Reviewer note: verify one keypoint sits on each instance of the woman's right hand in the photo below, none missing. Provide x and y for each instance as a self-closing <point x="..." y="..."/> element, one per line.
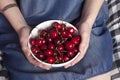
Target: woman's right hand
<point x="23" y="34"/>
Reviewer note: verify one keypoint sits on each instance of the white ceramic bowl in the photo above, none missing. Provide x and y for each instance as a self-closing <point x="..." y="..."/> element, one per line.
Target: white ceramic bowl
<point x="44" y="25"/>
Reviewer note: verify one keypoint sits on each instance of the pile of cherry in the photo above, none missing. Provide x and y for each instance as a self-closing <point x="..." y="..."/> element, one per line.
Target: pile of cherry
<point x="55" y="45"/>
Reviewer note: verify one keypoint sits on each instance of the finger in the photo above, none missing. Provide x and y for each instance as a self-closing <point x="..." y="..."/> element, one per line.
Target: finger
<point x="84" y="42"/>
<point x="80" y="56"/>
<point x="36" y="63"/>
<point x="68" y="65"/>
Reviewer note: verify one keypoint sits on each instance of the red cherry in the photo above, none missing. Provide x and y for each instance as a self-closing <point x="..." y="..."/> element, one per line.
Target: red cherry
<point x="55" y="53"/>
<point x="41" y="56"/>
<point x="43" y="41"/>
<point x="43" y="33"/>
<point x="64" y="33"/>
<point x="51" y="46"/>
<point x="39" y="42"/>
<point x="71" y="30"/>
<point x="35" y="50"/>
<point x="53" y="34"/>
<point x="70" y="53"/>
<point x="43" y="47"/>
<point x="32" y="41"/>
<point x="48" y="52"/>
<point x="51" y="60"/>
<point x="76" y="49"/>
<point x="57" y="25"/>
<point x="48" y="39"/>
<point x="60" y="48"/>
<point x="60" y="58"/>
<point x="57" y="41"/>
<point x="75" y="40"/>
<point x="69" y="45"/>
<point x="66" y="58"/>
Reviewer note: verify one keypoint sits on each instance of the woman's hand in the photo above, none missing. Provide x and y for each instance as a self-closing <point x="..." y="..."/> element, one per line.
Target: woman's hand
<point x="23" y="36"/>
<point x="84" y="32"/>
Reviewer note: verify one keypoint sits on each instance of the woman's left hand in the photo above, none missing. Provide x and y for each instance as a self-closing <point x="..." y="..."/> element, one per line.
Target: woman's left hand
<point x="84" y="30"/>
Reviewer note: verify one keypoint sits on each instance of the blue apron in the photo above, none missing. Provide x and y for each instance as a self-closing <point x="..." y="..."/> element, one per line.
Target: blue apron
<point x="98" y="58"/>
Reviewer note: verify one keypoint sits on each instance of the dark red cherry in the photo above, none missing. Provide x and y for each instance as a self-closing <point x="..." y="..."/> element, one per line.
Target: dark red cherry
<point x="60" y="48"/>
<point x="70" y="53"/>
<point x="71" y="30"/>
<point x="69" y="45"/>
<point x="53" y="34"/>
<point x="35" y="50"/>
<point x="66" y="58"/>
<point x="57" y="25"/>
<point x="75" y="40"/>
<point x="51" y="60"/>
<point x="48" y="52"/>
<point x="51" y="46"/>
<point x="32" y="41"/>
<point x="43" y="33"/>
<point x="41" y="56"/>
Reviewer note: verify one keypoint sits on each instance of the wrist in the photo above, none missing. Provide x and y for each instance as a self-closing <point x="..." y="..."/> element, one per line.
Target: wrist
<point x="21" y="29"/>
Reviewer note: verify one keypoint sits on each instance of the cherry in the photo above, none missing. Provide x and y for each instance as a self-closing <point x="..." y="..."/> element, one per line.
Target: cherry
<point x="51" y="60"/>
<point x="39" y="42"/>
<point x="71" y="30"/>
<point x="53" y="34"/>
<point x="43" y="47"/>
<point x="75" y="40"/>
<point x="43" y="33"/>
<point x="69" y="45"/>
<point x="32" y="41"/>
<point x="76" y="49"/>
<point x="57" y="25"/>
<point x="48" y="39"/>
<point x="70" y="53"/>
<point x="66" y="58"/>
<point x="64" y="33"/>
<point x="48" y="52"/>
<point x="51" y="46"/>
<point x="60" y="48"/>
<point x="57" y="41"/>
<point x="41" y="56"/>
<point x="55" y="53"/>
<point x="35" y="50"/>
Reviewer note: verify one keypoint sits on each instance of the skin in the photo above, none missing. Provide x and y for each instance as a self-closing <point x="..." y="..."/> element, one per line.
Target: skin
<point x="90" y="11"/>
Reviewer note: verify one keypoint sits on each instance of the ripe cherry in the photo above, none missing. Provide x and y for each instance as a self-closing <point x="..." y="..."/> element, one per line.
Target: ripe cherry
<point x="51" y="46"/>
<point x="53" y="34"/>
<point x="41" y="56"/>
<point x="32" y="41"/>
<point x="35" y="50"/>
<point x="70" y="53"/>
<point x="69" y="45"/>
<point x="48" y="52"/>
<point x="71" y="30"/>
<point x="39" y="42"/>
<point x="57" y="41"/>
<point x="43" y="47"/>
<point x="75" y="40"/>
<point x="60" y="48"/>
<point x="43" y="33"/>
<point x="66" y="58"/>
<point x="48" y="39"/>
<point x="57" y="25"/>
<point x="51" y="60"/>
